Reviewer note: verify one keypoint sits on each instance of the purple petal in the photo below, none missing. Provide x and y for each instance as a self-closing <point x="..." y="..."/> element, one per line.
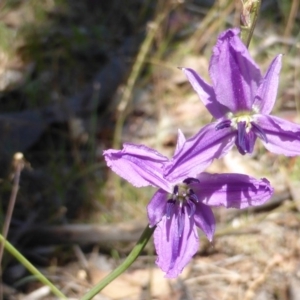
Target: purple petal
<point x="206" y="93"/>
<point x="267" y="91"/>
<point x="180" y="141"/>
<point x="156" y="208"/>
<point x="258" y="131"/>
<point x="198" y="152"/>
<point x="232" y="190"/>
<point x="234" y="73"/>
<point x="205" y="220"/>
<point x="283" y="137"/>
<point x="138" y="164"/>
<point x="174" y="252"/>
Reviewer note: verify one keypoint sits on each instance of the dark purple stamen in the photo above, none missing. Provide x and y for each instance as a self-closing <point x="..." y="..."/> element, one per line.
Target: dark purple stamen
<point x="180" y="220"/>
<point x="170" y="208"/>
<point x="223" y="124"/>
<point x="175" y="190"/>
<point x="241" y="137"/>
<point x="190" y="180"/>
<point x="245" y="140"/>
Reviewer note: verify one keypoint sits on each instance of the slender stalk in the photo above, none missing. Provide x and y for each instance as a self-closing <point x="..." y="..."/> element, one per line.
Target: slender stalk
<point x="143" y="240"/>
<point x="291" y="18"/>
<point x="249" y="15"/>
<point x="18" y="165"/>
<point x="33" y="270"/>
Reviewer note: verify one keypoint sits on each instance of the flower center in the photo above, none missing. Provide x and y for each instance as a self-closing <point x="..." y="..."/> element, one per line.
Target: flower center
<point x="247" y="130"/>
<point x="247" y="120"/>
<point x="182" y="201"/>
<point x="234" y="120"/>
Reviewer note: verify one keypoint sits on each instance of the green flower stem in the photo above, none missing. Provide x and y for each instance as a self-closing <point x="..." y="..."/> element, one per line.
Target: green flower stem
<point x="249" y="15"/>
<point x="142" y="242"/>
<point x="33" y="270"/>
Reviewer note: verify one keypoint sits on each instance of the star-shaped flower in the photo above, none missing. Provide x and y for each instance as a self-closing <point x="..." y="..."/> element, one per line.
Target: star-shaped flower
<point x="183" y="199"/>
<point x="241" y="99"/>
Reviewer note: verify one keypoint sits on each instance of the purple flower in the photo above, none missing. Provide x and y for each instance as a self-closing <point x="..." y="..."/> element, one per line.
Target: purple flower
<point x="183" y="199"/>
<point x="241" y="99"/>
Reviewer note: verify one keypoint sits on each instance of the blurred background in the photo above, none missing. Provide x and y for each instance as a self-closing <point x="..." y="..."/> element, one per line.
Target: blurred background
<point x="79" y="77"/>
